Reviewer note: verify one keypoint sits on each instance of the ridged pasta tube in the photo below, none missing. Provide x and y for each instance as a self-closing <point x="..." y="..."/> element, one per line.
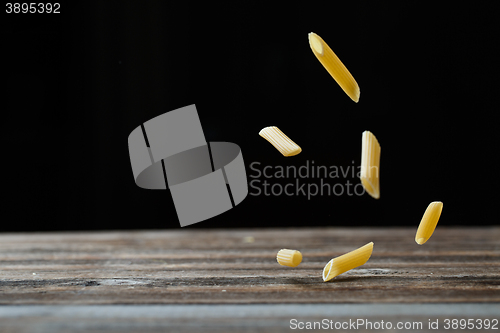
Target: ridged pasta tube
<point x="334" y="66"/>
<point x="370" y="164"/>
<point x="347" y="261"/>
<point x="280" y="141"/>
<point x="429" y="222"/>
<point x="291" y="258"/>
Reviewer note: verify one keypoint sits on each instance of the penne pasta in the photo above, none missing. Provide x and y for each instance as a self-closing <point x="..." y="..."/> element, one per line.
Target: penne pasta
<point x="290" y="258"/>
<point x="429" y="222"/>
<point x="334" y="66"/>
<point x="348" y="261"/>
<point x="280" y="141"/>
<point x="370" y="164"/>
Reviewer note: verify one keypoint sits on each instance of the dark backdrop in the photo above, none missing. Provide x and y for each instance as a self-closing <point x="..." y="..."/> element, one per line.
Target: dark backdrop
<point x="77" y="83"/>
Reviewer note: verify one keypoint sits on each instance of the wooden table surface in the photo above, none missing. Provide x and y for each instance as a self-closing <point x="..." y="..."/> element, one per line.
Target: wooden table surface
<point x="228" y="268"/>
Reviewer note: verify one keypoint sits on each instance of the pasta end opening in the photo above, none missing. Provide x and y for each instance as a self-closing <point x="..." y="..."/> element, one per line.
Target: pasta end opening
<point x="316" y="43"/>
<point x="327" y="270"/>
<point x="420" y="241"/>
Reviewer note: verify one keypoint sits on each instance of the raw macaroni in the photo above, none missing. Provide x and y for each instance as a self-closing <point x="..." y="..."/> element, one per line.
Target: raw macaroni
<point x="429" y="222"/>
<point x="334" y="66"/>
<point x="370" y="164"/>
<point x="280" y="141"/>
<point x="291" y="258"/>
<point x="347" y="261"/>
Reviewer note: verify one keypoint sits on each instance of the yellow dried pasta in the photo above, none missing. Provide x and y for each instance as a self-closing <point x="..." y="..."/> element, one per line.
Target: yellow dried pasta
<point x="334" y="66"/>
<point x="280" y="141"/>
<point x="347" y="261"/>
<point x="370" y="164"/>
<point x="429" y="222"/>
<point x="291" y="258"/>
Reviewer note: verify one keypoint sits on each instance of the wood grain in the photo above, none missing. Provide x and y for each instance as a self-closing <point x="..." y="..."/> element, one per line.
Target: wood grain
<point x="239" y="267"/>
<point x="221" y="318"/>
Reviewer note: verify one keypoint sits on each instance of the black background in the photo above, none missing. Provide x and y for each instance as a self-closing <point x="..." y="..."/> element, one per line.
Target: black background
<point x="77" y="83"/>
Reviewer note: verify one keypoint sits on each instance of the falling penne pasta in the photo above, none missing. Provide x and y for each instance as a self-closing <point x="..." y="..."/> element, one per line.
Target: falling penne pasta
<point x="280" y="141"/>
<point x="429" y="222"/>
<point x="347" y="261"/>
<point x="334" y="66"/>
<point x="291" y="258"/>
<point x="370" y="164"/>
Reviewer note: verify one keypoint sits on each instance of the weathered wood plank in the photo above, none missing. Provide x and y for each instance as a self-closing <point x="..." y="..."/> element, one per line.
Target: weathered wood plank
<point x="239" y="266"/>
<point x="243" y="318"/>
